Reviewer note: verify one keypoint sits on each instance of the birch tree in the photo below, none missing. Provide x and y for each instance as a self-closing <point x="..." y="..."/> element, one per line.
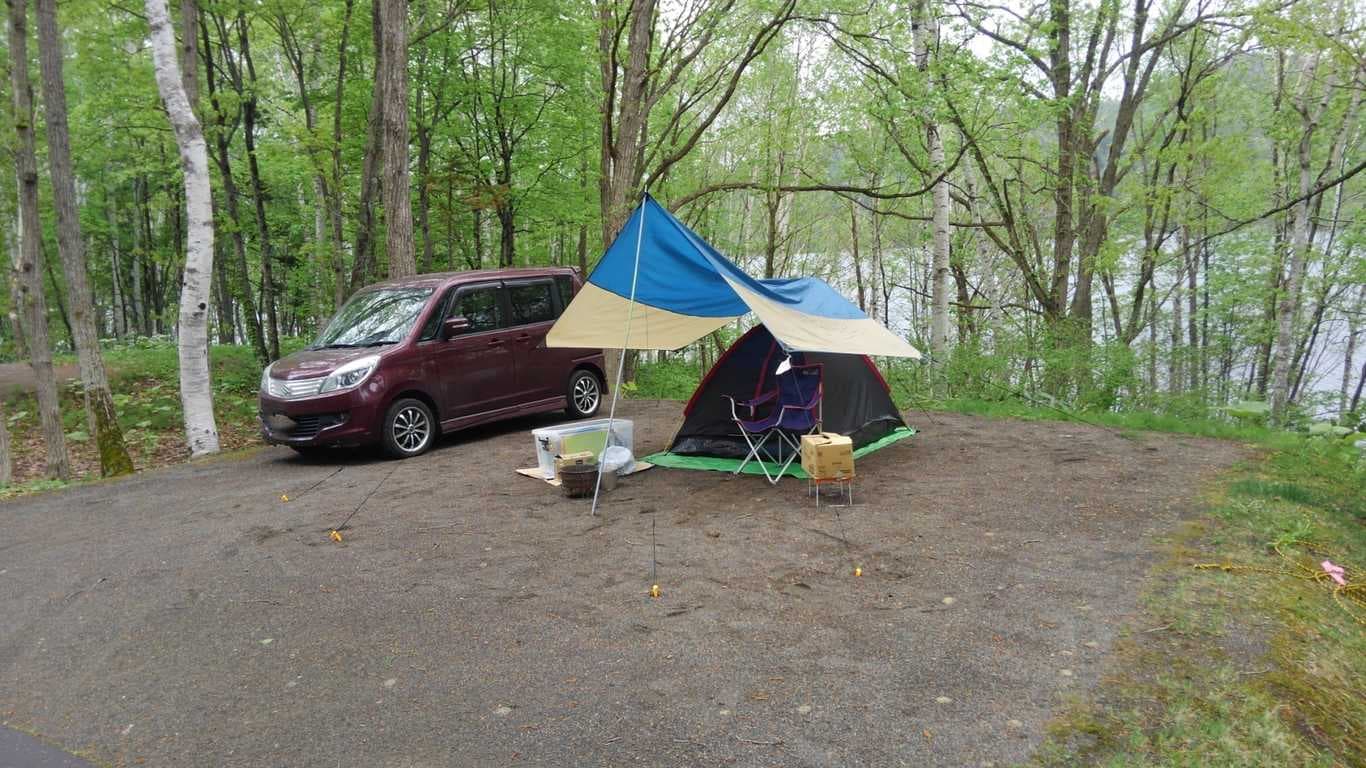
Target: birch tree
<point x="99" y="403"/>
<point x="1312" y="112"/>
<point x="924" y="32"/>
<point x="1354" y="313"/>
<point x="196" y="390"/>
<point x="29" y="266"/>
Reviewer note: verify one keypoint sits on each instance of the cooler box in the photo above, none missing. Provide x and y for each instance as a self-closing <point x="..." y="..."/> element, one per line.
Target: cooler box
<point x="826" y="455"/>
<point x="577" y="436"/>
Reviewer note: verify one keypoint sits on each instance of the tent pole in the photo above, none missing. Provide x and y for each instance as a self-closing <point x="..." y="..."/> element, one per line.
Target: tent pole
<point x="621" y="362"/>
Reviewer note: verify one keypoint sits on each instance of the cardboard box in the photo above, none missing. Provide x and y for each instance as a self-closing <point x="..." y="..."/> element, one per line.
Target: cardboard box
<point x="578" y="457"/>
<point x="827" y="455"/>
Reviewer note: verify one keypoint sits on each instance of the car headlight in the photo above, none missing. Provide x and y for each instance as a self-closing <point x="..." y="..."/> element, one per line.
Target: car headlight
<point x="350" y="375"/>
<point x="265" y="379"/>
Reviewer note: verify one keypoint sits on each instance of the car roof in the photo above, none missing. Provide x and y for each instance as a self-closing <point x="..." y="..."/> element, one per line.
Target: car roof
<point x="443" y="279"/>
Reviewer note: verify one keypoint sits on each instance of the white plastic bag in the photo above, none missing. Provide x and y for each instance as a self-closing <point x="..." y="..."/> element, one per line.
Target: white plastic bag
<point x="616" y="459"/>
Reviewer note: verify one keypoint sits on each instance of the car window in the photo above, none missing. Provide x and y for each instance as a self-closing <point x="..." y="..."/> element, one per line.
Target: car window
<point x="432" y="328"/>
<point x="481" y="307"/>
<point x="566" y="288"/>
<point x="532" y="302"/>
<point x="375" y="317"/>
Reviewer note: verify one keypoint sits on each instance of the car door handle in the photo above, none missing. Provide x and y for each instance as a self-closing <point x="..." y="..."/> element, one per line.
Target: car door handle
<point x="524" y="337"/>
<point x="496" y="343"/>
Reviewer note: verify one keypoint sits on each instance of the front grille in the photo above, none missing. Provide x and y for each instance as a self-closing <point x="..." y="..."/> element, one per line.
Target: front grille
<point x="290" y="389"/>
<point x="303" y="427"/>
<point x="307" y="426"/>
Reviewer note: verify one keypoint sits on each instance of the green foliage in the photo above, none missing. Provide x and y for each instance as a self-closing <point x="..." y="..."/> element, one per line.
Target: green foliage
<point x="669" y="380"/>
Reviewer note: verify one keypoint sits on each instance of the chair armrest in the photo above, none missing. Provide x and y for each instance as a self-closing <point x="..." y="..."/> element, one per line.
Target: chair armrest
<point x="768" y="396"/>
<point x="734" y="415"/>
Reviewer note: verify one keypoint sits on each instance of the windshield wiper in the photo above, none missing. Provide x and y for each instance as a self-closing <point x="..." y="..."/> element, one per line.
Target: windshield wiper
<point x="336" y="346"/>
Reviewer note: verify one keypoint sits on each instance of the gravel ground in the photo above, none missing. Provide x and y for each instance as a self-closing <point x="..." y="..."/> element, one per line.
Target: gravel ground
<point x="474" y="617"/>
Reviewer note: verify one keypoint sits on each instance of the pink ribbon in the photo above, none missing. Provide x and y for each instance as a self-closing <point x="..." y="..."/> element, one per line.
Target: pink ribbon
<point x="1335" y="572"/>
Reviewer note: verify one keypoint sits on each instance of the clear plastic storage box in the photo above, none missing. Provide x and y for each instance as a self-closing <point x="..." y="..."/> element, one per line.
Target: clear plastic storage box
<point x="590" y="435"/>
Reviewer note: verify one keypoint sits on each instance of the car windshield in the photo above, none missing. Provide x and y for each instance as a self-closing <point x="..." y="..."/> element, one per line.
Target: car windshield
<point x="371" y="318"/>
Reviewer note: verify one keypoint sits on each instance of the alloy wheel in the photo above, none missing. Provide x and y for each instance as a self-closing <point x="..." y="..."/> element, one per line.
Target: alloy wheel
<point x="586" y="394"/>
<point x="411" y="429"/>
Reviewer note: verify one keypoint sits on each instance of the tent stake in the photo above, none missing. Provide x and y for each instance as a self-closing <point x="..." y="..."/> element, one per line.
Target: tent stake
<point x="621" y="361"/>
<point x="654" y="561"/>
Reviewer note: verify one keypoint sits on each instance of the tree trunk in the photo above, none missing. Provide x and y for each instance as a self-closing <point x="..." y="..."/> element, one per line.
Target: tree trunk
<point x="196" y="389"/>
<point x="623" y="128"/>
<point x="424" y="196"/>
<point x="1290" y="298"/>
<point x="239" y="275"/>
<point x="189" y="51"/>
<point x="858" y="268"/>
<point x="398" y="205"/>
<point x="339" y="287"/>
<point x="924" y="32"/>
<point x="1175" y="372"/>
<point x="1356" y="396"/>
<point x="29" y="267"/>
<point x="507" y="234"/>
<point x="582" y="244"/>
<point x="1192" y="320"/>
<point x="370" y="163"/>
<point x="57" y="296"/>
<point x="227" y="313"/>
<point x="138" y="257"/>
<point x="118" y="300"/>
<point x="1349" y="352"/>
<point x="258" y="194"/>
<point x="99" y="403"/>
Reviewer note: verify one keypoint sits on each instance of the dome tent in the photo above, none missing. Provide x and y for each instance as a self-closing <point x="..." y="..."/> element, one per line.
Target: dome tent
<point x="856" y="400"/>
<point x="661" y="286"/>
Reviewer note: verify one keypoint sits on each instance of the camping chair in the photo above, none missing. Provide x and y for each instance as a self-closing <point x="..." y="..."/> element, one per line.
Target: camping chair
<point x="794" y="409"/>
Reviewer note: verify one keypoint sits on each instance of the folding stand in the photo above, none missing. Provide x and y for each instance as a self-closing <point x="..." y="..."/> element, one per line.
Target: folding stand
<point x="844" y="482"/>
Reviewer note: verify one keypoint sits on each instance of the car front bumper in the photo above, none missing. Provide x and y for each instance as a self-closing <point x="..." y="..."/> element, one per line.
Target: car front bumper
<point x="343" y="418"/>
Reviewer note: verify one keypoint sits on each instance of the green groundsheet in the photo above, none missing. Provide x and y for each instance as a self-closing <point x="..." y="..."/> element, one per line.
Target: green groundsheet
<point x="717" y="464"/>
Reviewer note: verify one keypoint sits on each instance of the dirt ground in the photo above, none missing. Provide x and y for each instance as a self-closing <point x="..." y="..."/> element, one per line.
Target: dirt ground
<point x="18" y="377"/>
<point x="474" y="617"/>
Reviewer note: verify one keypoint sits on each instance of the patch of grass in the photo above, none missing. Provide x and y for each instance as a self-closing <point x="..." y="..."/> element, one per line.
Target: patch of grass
<point x="31" y="486"/>
<point x="1259" y="664"/>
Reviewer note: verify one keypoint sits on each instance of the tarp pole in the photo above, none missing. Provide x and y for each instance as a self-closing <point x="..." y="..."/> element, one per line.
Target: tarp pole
<point x="621" y="363"/>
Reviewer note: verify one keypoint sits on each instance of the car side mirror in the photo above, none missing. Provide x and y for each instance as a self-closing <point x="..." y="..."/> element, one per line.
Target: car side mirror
<point x="454" y="326"/>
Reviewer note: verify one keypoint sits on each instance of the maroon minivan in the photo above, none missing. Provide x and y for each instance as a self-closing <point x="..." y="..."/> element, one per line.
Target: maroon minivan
<point x="405" y="360"/>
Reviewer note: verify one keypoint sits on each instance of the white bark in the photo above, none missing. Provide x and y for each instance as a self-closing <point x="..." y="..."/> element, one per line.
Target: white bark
<point x="196" y="392"/>
<point x="924" y="32"/>
<point x="1349" y="354"/>
<point x="1288" y="303"/>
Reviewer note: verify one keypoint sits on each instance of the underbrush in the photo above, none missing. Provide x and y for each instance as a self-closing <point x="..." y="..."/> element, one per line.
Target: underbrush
<point x="667" y="380"/>
<point x="675" y="379"/>
<point x="1248" y="654"/>
<point x="144" y="379"/>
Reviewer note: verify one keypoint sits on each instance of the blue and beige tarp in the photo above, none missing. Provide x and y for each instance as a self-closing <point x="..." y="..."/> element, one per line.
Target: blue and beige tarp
<point x="661" y="286"/>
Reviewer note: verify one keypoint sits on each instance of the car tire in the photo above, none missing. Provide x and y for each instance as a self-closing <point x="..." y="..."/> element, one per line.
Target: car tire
<point x="409" y="429"/>
<point x="584" y="394"/>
